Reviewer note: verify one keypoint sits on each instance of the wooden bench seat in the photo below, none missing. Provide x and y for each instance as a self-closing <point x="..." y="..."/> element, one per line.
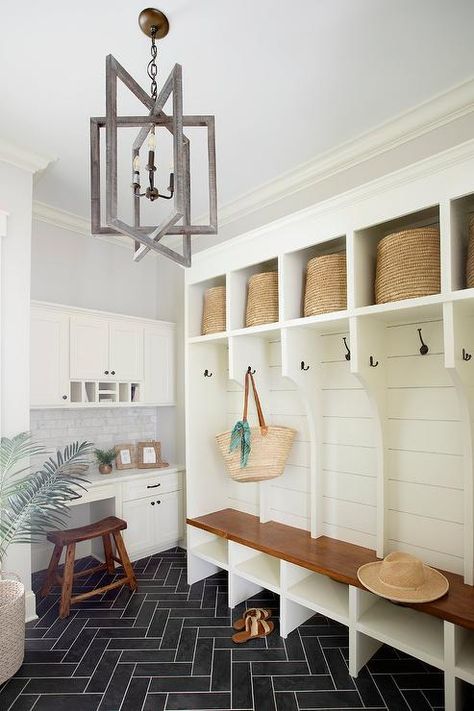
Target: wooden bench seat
<point x="328" y="556"/>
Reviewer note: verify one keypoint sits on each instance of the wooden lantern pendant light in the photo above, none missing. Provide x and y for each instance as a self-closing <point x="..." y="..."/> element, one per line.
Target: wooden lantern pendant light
<point x="148" y="237"/>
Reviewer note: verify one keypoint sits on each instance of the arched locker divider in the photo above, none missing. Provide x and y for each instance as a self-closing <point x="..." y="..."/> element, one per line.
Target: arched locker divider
<point x="458" y="320"/>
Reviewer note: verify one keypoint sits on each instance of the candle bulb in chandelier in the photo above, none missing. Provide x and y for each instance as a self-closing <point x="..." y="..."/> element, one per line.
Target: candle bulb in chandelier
<point x="151" y="192"/>
<point x="136" y="173"/>
<point x="151" y="149"/>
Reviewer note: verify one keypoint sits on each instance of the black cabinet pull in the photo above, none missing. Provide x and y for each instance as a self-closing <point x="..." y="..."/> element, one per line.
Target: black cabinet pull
<point x="64" y="397"/>
<point x="153" y="486"/>
<point x="152" y="503"/>
<point x="106" y="372"/>
<point x="112" y="372"/>
<point x="158" y="502"/>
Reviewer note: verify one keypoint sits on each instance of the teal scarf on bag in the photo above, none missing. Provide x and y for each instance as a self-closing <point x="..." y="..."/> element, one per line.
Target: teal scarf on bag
<point x="241" y="435"/>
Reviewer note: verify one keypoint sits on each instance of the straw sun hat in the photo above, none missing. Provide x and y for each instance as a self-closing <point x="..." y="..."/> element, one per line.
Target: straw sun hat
<point x="403" y="578"/>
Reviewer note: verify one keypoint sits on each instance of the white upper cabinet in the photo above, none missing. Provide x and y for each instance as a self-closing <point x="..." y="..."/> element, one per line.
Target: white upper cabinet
<point x="125" y="350"/>
<point x="89" y="357"/>
<point x="103" y="349"/>
<point x="159" y="364"/>
<point x="81" y="358"/>
<point x="49" y="357"/>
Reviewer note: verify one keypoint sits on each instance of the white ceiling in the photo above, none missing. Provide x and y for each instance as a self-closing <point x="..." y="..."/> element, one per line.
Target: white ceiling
<point x="285" y="80"/>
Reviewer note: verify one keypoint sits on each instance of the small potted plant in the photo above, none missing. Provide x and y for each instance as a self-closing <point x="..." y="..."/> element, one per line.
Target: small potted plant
<point x="33" y="500"/>
<point x="104" y="458"/>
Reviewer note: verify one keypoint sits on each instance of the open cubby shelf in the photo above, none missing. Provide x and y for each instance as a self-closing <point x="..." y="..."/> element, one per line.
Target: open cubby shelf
<point x="414" y="633"/>
<point x="382" y="458"/>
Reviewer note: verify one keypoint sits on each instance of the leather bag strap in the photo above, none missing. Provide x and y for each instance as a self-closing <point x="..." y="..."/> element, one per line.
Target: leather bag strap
<point x="261" y="418"/>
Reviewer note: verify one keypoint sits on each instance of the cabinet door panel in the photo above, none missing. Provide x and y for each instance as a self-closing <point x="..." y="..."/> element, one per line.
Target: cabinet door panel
<point x="126" y="351"/>
<point x="170" y="515"/>
<point x="89" y="347"/>
<point x="159" y="365"/>
<point x="49" y="358"/>
<point x="140" y="534"/>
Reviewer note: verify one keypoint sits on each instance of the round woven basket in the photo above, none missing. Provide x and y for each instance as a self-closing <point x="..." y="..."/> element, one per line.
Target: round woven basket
<point x="408" y="265"/>
<point x="213" y="313"/>
<point x="326" y="284"/>
<point x="470" y="255"/>
<point x="12" y="626"/>
<point x="262" y="299"/>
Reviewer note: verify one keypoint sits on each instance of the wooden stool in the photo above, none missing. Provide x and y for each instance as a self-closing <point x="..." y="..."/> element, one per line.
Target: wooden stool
<point x="105" y="528"/>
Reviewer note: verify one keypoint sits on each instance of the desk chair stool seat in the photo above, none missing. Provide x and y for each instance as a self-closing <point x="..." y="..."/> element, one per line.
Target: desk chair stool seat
<point x="105" y="529"/>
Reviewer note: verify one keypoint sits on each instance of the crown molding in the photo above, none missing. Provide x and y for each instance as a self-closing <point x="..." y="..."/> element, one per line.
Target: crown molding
<point x="42" y="212"/>
<point x="21" y="158"/>
<point x="438" y="111"/>
<point x="420" y="169"/>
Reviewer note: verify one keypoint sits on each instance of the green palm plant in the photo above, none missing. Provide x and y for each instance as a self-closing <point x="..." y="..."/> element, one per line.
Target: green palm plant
<point x="33" y="501"/>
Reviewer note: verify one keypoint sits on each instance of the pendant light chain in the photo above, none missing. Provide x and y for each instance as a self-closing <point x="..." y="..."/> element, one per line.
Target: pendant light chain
<point x="152" y="69"/>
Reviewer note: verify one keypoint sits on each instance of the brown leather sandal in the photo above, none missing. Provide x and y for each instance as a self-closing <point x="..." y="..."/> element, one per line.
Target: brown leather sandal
<point x="259" y="612"/>
<point x="253" y="629"/>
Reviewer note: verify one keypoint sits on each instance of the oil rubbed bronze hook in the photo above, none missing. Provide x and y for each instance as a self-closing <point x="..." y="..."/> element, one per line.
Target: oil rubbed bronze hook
<point x="250" y="371"/>
<point x="207" y="374"/>
<point x="424" y="348"/>
<point x="371" y="362"/>
<point x="347" y="355"/>
<point x="466" y="355"/>
<point x="303" y="366"/>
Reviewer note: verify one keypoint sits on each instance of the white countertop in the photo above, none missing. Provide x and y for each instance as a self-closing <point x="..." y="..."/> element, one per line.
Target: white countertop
<point x="116" y="476"/>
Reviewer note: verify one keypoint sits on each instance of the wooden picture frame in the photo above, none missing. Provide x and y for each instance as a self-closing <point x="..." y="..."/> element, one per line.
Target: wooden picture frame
<point x="125" y="457"/>
<point x="149" y="455"/>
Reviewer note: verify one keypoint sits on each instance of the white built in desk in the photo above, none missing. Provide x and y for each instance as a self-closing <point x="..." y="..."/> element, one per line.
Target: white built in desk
<point x="149" y="500"/>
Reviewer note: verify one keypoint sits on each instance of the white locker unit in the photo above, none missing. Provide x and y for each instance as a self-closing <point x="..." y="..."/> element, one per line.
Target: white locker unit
<point x="383" y="452"/>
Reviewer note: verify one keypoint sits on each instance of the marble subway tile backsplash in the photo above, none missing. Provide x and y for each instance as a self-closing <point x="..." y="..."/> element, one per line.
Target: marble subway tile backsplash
<point x="105" y="427"/>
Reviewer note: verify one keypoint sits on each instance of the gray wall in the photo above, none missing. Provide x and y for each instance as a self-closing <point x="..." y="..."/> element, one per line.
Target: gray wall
<point x="71" y="269"/>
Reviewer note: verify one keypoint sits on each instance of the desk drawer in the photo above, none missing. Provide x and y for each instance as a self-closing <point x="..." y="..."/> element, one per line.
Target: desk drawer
<point x="161" y="483"/>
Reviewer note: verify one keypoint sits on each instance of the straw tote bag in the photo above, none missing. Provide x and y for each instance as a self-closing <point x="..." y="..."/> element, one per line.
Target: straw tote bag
<point x="255" y="453"/>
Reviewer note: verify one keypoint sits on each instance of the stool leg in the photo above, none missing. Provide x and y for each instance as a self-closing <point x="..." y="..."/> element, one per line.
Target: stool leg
<point x="68" y="579"/>
<point x="123" y="555"/>
<point x="109" y="561"/>
<point x="51" y="573"/>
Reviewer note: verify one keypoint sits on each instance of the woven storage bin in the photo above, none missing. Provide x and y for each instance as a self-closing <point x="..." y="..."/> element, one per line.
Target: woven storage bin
<point x="12" y="627"/>
<point x="262" y="299"/>
<point x="213" y="313"/>
<point x="326" y="284"/>
<point x="408" y="265"/>
<point x="269" y="445"/>
<point x="470" y="256"/>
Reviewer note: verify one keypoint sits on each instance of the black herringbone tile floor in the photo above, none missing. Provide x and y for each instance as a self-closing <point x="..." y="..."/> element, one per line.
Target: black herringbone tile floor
<point x="168" y="646"/>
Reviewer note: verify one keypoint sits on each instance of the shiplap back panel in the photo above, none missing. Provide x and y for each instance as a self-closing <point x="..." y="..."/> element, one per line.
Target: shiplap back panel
<point x="241" y="496"/>
<point x="289" y="494"/>
<point x="424" y="449"/>
<point x="348" y="461"/>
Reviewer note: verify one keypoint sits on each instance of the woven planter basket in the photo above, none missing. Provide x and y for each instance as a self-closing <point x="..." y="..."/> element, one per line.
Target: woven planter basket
<point x="12" y="627"/>
<point x="270" y="446"/>
<point x="470" y="256"/>
<point x="408" y="265"/>
<point x="326" y="284"/>
<point x="213" y="313"/>
<point x="262" y="299"/>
